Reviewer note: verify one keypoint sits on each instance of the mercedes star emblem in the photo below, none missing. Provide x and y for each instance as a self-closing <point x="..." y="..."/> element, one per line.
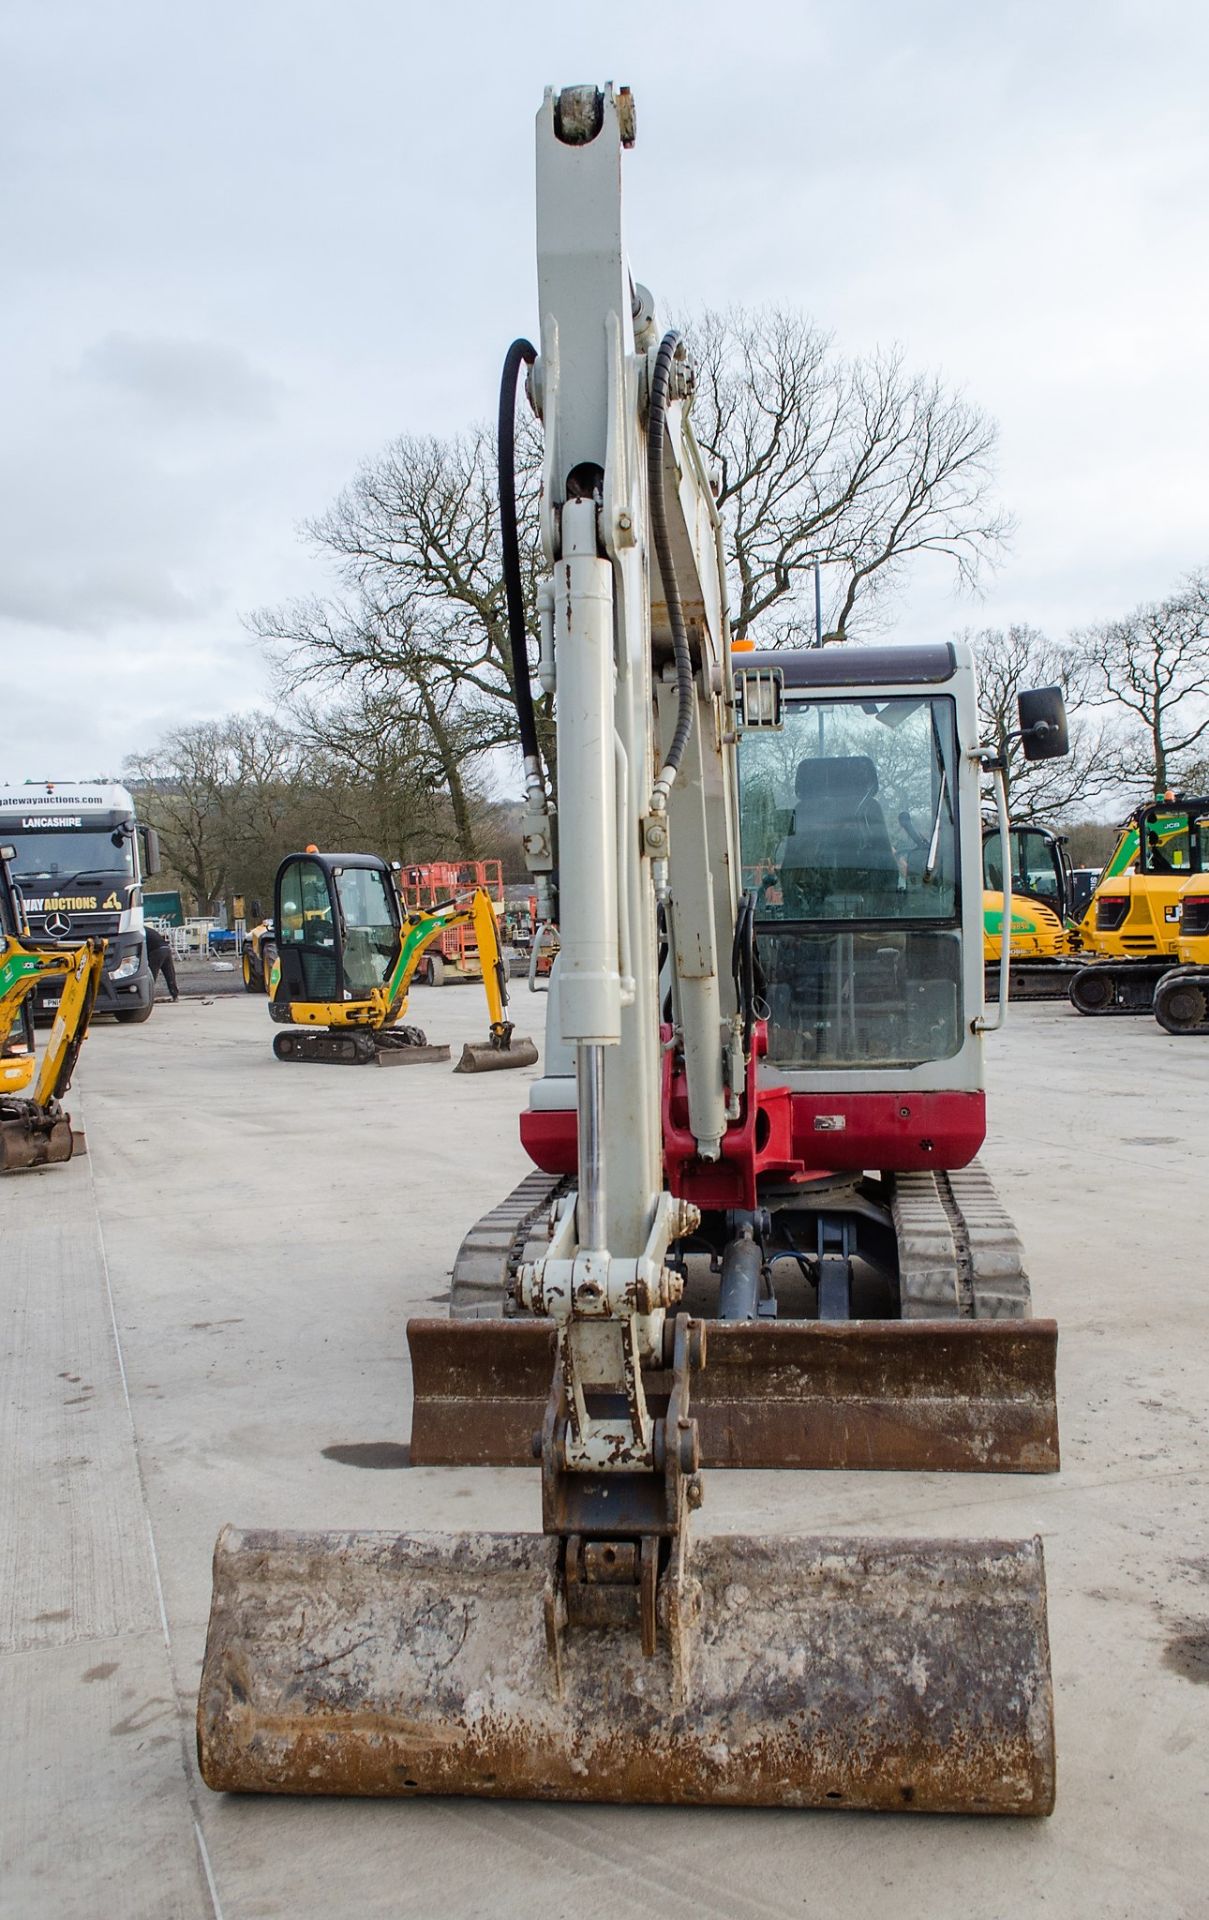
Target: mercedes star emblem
<point x="58" y="924"/>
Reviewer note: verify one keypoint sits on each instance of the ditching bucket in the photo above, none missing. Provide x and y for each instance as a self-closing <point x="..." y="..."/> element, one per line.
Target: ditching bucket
<point x="32" y="1136"/>
<point x="831" y="1672"/>
<point x="926" y="1395"/>
<point x="489" y="1058"/>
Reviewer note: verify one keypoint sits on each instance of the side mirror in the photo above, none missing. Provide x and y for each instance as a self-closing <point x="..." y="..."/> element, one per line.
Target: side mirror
<point x="1043" y="730"/>
<point x="151" y="850"/>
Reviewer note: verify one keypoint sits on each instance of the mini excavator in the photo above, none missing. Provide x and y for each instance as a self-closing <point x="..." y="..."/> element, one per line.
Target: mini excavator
<point x="755" y="1235"/>
<point x="1132" y="928"/>
<point x="1043" y="935"/>
<point x="34" y="1129"/>
<point x="347" y="952"/>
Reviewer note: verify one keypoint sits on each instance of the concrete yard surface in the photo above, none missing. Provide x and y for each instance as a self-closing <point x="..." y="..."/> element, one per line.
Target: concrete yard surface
<point x="203" y="1322"/>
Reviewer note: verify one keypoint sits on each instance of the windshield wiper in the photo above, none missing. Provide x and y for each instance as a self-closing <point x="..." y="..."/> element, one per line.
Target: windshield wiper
<point x="934" y="842"/>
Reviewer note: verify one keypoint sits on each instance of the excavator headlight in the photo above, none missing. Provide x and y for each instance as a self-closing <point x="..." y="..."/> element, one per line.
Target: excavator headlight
<point x="760" y="697"/>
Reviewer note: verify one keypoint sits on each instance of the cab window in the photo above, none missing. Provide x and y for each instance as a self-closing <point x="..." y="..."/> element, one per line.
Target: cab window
<point x="849" y="821"/>
<point x="371" y="935"/>
<point x="305" y="923"/>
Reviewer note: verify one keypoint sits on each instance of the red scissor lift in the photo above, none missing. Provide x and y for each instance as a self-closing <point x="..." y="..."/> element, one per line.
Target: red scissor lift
<point x="426" y="886"/>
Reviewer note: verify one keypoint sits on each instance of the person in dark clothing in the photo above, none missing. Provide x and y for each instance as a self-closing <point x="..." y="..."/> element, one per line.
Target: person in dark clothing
<point x="159" y="959"/>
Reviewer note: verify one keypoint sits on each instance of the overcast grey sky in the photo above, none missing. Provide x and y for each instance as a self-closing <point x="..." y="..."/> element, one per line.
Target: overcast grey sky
<point x="246" y="244"/>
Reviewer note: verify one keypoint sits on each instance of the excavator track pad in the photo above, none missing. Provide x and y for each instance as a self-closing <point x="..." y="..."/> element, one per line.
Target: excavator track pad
<point x="924" y="1395"/>
<point x="828" y="1672"/>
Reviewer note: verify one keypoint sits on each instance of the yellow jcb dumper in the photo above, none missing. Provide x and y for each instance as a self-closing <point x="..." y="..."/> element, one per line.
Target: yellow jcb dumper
<point x="757" y="1235"/>
<point x="34" y="1129"/>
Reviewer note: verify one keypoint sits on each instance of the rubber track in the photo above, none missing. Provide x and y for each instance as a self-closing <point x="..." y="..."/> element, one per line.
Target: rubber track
<point x="1132" y="983"/>
<point x="959" y="1255"/>
<point x="1032" y="980"/>
<point x="495" y="1247"/>
<point x="1195" y="976"/>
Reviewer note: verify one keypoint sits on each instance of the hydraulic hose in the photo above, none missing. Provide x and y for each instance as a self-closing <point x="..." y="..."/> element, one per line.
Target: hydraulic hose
<point x="656" y="419"/>
<point x="744" y="965"/>
<point x="520" y="353"/>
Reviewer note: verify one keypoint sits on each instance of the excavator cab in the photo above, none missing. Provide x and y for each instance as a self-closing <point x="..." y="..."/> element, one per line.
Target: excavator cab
<point x="1044" y="937"/>
<point x="338" y="926"/>
<point x="858" y="903"/>
<point x="1041" y="866"/>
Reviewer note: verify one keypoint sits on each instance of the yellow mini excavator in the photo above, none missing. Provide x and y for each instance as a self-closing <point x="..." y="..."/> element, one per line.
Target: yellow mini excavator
<point x="34" y="1129"/>
<point x="347" y="953"/>
<point x="757" y="1235"/>
<point x="1043" y="936"/>
<point x="1130" y="934"/>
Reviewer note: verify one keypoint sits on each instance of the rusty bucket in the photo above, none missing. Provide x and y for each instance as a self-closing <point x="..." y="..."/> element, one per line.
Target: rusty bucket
<point x="33" y="1136"/>
<point x="488" y="1057"/>
<point x="825" y="1672"/>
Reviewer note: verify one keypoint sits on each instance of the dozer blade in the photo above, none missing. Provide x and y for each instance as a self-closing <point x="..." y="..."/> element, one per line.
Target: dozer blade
<point x="32" y="1136"/>
<point x="925" y="1395"/>
<point x="830" y="1672"/>
<point x="487" y="1058"/>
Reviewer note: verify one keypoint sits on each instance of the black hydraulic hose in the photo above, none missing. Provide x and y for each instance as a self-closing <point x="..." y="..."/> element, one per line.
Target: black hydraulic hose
<point x="749" y="971"/>
<point x="520" y="353"/>
<point x="744" y="965"/>
<point x="656" y="417"/>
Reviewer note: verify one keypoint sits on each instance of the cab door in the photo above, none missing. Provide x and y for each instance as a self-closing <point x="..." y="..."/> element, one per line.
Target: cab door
<point x="369" y="917"/>
<point x="305" y="912"/>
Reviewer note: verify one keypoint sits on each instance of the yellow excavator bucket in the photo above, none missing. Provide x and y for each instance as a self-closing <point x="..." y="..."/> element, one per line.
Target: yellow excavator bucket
<point x="827" y="1672"/>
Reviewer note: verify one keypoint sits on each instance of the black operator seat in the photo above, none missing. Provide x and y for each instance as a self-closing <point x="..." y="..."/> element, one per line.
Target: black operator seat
<point x="839" y="844"/>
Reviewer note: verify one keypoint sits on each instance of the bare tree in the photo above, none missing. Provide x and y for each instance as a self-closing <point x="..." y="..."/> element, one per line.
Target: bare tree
<point x="857" y="464"/>
<point x="1010" y="661"/>
<point x="380" y="776"/>
<point x="1155" y="664"/>
<point x="224" y="796"/>
<point x="403" y="676"/>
